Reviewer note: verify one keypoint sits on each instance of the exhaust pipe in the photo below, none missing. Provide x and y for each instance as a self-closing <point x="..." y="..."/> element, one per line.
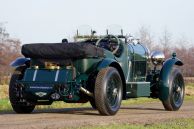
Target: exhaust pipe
<point x="55" y="96"/>
<point x="85" y="91"/>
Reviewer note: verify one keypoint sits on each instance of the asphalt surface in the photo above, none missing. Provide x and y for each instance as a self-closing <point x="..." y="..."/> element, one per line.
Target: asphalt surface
<point x="77" y="117"/>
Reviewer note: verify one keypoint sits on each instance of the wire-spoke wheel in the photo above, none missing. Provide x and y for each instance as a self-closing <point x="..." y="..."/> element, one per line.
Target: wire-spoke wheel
<point x="176" y="91"/>
<point x="108" y="91"/>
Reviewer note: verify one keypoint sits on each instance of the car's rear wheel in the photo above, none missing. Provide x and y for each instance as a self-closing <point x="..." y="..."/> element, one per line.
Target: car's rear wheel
<point x="176" y="91"/>
<point x="92" y="103"/>
<point x="108" y="91"/>
<point x="15" y="93"/>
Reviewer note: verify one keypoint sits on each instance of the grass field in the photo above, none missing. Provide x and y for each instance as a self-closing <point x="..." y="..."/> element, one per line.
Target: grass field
<point x="5" y="104"/>
<point x="170" y="124"/>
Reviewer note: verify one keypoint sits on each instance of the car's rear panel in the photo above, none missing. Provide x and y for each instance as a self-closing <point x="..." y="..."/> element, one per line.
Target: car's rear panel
<point x="53" y="82"/>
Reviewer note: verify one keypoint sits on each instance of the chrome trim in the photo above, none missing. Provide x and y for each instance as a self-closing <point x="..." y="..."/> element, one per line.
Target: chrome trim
<point x="157" y="57"/>
<point x="57" y="75"/>
<point x="34" y="76"/>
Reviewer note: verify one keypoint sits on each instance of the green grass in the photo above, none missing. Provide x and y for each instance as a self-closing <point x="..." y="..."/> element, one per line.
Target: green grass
<point x="170" y="124"/>
<point x="5" y="104"/>
<point x="76" y="105"/>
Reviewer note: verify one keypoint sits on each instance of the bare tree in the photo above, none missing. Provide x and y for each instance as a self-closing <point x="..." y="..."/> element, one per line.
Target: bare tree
<point x="146" y="37"/>
<point x="9" y="50"/>
<point x="166" y="42"/>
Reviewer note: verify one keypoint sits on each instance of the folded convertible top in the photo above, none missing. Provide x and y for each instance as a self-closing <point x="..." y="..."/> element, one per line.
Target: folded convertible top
<point x="61" y="50"/>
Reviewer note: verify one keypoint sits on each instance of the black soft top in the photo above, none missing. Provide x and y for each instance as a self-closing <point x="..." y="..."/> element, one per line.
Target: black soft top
<point x="61" y="51"/>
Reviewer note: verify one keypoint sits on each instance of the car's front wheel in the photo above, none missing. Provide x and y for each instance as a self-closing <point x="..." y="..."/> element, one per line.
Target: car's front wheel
<point x="176" y="91"/>
<point x="108" y="91"/>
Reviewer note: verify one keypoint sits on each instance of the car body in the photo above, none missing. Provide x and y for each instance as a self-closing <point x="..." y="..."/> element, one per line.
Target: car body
<point x="103" y="70"/>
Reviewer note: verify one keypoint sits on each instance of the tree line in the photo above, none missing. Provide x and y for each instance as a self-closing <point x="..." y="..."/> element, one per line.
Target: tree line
<point x="10" y="49"/>
<point x="166" y="43"/>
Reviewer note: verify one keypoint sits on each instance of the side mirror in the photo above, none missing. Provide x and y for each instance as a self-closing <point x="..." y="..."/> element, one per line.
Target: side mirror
<point x="157" y="57"/>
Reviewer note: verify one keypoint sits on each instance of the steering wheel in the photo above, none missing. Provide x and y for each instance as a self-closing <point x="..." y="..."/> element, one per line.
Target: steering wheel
<point x="109" y="37"/>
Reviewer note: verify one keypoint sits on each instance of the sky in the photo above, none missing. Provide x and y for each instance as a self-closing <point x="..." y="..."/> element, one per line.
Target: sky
<point x="51" y="20"/>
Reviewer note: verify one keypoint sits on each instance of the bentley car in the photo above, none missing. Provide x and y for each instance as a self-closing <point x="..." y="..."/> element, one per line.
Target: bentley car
<point x="102" y="70"/>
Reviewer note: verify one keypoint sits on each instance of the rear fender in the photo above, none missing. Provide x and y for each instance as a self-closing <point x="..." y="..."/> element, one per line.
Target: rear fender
<point x="165" y="76"/>
<point x="105" y="63"/>
<point x="113" y="63"/>
<point x="21" y="61"/>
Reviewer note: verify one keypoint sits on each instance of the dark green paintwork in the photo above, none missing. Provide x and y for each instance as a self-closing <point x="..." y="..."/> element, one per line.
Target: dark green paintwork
<point x="45" y="75"/>
<point x="138" y="89"/>
<point x="138" y="62"/>
<point x="46" y="79"/>
<point x="131" y="63"/>
<point x="19" y="62"/>
<point x="105" y="63"/>
<point x="86" y="65"/>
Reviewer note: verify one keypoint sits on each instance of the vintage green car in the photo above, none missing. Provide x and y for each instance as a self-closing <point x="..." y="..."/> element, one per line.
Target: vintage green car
<point x="102" y="70"/>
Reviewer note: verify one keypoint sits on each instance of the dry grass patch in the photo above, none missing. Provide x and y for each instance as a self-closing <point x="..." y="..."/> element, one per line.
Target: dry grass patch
<point x="4" y="91"/>
<point x="189" y="89"/>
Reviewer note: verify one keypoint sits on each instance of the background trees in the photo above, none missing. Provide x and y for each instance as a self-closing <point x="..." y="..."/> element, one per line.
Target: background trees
<point x="166" y="43"/>
<point x="9" y="50"/>
<point x="146" y="37"/>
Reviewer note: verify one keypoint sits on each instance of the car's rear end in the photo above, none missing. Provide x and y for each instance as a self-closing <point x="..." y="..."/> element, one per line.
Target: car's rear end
<point x="56" y="72"/>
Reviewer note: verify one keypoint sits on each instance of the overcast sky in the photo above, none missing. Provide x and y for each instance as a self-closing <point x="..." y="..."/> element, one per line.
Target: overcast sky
<point x="52" y="20"/>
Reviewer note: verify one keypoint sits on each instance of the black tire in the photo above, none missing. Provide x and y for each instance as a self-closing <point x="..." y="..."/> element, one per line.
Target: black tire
<point x="108" y="91"/>
<point x="17" y="106"/>
<point x="176" y="91"/>
<point x="92" y="103"/>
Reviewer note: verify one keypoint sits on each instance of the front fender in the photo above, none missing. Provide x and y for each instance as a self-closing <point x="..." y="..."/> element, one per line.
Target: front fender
<point x="105" y="63"/>
<point x="165" y="76"/>
<point x="20" y="61"/>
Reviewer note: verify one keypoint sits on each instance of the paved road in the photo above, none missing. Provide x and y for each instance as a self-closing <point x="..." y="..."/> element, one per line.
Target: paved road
<point x="75" y="117"/>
